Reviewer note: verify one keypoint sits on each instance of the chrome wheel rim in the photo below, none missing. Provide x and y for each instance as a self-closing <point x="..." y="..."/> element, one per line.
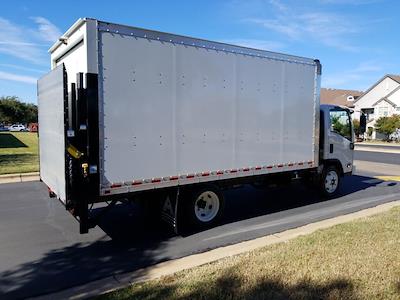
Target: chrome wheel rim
<point x="331" y="182"/>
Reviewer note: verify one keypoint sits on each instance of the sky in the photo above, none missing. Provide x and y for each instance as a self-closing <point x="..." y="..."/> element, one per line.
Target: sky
<point x="357" y="41"/>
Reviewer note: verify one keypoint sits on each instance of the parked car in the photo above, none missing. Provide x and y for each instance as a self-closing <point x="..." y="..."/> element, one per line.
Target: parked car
<point x="17" y="127"/>
<point x="33" y="127"/>
<point x="3" y="128"/>
<point x="395" y="136"/>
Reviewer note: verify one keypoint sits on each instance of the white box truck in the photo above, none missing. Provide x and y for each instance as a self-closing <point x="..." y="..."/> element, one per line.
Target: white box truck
<point x="129" y="113"/>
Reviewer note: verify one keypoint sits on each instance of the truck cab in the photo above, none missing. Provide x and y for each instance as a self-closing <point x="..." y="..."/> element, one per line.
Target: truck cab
<point x="336" y="147"/>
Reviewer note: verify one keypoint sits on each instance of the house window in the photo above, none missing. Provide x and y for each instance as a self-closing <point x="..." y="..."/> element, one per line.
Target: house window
<point x="383" y="111"/>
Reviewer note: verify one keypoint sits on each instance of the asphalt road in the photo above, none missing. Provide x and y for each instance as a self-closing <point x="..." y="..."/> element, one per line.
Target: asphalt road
<point x="42" y="252"/>
<point x="386" y="158"/>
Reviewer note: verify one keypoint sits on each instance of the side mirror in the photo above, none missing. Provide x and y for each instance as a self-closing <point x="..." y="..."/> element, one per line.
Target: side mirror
<point x="363" y="123"/>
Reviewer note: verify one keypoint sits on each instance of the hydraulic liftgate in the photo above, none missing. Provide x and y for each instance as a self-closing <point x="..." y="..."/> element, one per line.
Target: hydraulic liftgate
<point x="69" y="134"/>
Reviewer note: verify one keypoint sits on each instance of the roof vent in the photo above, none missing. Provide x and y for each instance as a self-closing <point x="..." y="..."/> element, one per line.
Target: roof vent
<point x="350" y="98"/>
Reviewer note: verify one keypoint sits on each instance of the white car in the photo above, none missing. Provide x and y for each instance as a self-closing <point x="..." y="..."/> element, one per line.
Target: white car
<point x="17" y="127"/>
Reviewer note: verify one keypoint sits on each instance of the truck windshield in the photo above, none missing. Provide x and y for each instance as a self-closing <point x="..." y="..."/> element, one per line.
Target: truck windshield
<point x="340" y="123"/>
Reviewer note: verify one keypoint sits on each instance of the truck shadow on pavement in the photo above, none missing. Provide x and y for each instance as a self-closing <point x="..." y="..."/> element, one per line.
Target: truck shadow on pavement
<point x="134" y="241"/>
<point x="249" y="202"/>
<point x="75" y="265"/>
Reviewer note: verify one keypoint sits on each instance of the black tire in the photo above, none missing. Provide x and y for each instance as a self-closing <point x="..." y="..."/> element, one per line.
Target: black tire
<point x="329" y="182"/>
<point x="192" y="200"/>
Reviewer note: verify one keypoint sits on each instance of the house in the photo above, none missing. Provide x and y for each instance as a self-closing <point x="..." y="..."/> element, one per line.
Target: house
<point x="381" y="100"/>
<point x="339" y="97"/>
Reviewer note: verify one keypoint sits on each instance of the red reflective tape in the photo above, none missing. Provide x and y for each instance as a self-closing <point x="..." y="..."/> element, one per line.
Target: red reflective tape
<point x="137" y="182"/>
<point x="258" y="168"/>
<point x="173" y="178"/>
<point x="233" y="171"/>
<point x="280" y="166"/>
<point x="155" y="180"/>
<point x="300" y="163"/>
<point x="190" y="176"/>
<point x="270" y="167"/>
<point x="220" y="172"/>
<point x="205" y="174"/>
<point x="116" y="185"/>
<point x="290" y="165"/>
<point x="246" y="169"/>
<point x="310" y="162"/>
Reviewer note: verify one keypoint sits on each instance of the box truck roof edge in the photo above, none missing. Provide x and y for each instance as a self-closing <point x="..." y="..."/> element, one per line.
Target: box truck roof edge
<point x="131" y="30"/>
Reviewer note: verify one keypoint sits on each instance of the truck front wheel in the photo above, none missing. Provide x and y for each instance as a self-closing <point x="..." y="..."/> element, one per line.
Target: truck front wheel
<point x="329" y="183"/>
<point x="204" y="206"/>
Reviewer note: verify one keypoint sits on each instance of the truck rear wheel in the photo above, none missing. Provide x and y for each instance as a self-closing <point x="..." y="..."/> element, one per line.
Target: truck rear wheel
<point x="204" y="206"/>
<point x="330" y="179"/>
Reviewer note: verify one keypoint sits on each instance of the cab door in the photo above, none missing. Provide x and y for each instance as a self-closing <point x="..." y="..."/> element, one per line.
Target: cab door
<point x="340" y="137"/>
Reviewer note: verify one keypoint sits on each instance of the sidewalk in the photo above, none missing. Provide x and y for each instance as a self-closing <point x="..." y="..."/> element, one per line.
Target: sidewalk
<point x="395" y="149"/>
<point x="23" y="177"/>
<point x="377" y="144"/>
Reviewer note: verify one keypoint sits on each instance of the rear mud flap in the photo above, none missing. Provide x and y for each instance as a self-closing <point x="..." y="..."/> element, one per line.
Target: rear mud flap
<point x="169" y="210"/>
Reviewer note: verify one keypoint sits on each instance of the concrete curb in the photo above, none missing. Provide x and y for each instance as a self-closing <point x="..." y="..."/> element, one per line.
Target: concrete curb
<point x="393" y="149"/>
<point x="112" y="283"/>
<point x="23" y="177"/>
<point x="366" y="144"/>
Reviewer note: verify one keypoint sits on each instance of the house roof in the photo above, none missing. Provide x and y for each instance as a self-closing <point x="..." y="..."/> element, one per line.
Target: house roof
<point x="394" y="77"/>
<point x="391" y="76"/>
<point x="338" y="97"/>
<point x="385" y="99"/>
<point x="392" y="92"/>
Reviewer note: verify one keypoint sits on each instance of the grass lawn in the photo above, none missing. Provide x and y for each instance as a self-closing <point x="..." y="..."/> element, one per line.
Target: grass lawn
<point x="356" y="260"/>
<point x="18" y="152"/>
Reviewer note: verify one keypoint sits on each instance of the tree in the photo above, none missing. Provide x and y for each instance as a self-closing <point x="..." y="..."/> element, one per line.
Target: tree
<point x="387" y="125"/>
<point x="12" y="110"/>
<point x="341" y="128"/>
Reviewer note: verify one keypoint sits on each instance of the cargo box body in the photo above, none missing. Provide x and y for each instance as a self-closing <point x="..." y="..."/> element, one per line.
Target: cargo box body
<point x="175" y="110"/>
